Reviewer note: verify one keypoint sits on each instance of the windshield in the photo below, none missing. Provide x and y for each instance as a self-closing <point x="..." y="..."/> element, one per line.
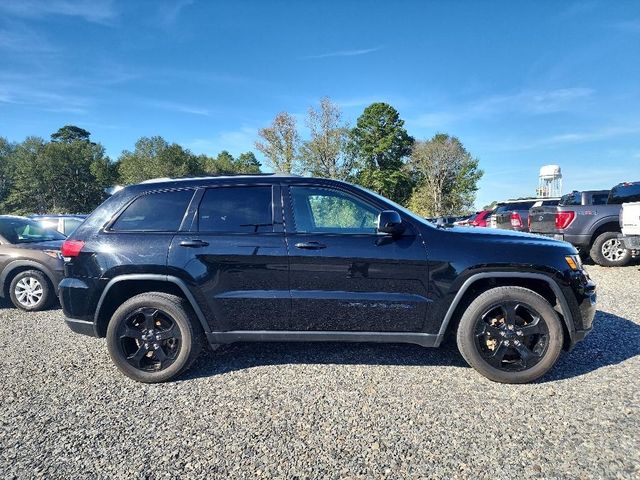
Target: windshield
<point x="21" y="230"/>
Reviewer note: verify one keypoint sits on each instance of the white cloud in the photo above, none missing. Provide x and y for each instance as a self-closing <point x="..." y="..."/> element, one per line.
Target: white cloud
<point x="177" y="107"/>
<point x="527" y="102"/>
<point x="343" y="53"/>
<point x="168" y="12"/>
<point x="96" y="11"/>
<point x="234" y="141"/>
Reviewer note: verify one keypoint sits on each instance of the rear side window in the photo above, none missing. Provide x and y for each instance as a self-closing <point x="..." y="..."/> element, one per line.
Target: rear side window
<point x="236" y="210"/>
<point x="154" y="212"/>
<point x="599" y="198"/>
<point x="625" y="193"/>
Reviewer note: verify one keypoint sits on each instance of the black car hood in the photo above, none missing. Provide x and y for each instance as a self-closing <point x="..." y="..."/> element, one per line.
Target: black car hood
<point x="499" y="236"/>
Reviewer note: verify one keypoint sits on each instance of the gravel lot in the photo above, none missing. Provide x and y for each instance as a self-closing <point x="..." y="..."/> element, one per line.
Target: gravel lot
<point x="322" y="410"/>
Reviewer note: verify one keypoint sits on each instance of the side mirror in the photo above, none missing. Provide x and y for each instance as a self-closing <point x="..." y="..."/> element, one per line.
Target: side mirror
<point x="389" y="221"/>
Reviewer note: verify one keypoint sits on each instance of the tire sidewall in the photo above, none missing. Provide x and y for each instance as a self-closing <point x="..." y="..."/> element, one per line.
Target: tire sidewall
<point x="466" y="332"/>
<point x="46" y="290"/>
<point x="177" y="312"/>
<point x="598" y="256"/>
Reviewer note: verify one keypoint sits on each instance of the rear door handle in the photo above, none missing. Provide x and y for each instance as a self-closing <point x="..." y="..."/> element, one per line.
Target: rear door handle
<point x="194" y="243"/>
<point x="310" y="245"/>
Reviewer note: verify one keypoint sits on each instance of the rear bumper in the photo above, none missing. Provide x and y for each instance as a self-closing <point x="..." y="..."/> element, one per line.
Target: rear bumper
<point x="84" y="327"/>
<point x="582" y="241"/>
<point x="631" y="242"/>
<point x="79" y="298"/>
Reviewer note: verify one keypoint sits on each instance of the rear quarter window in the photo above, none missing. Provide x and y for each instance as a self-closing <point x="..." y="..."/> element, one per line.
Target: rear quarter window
<point x="154" y="212"/>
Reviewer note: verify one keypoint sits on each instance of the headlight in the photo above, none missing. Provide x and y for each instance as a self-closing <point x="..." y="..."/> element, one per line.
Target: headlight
<point x="52" y="253"/>
<point x="574" y="262"/>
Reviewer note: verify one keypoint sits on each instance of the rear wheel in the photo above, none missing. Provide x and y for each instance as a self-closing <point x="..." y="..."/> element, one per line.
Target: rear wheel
<point x="153" y="337"/>
<point x="30" y="290"/>
<point x="608" y="251"/>
<point x="510" y="335"/>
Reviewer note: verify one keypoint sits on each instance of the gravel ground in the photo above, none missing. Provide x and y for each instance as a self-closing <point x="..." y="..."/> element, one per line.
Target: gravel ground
<point x="321" y="410"/>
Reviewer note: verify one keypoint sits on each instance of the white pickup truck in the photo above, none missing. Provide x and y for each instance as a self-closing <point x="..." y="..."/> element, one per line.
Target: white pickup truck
<point x="630" y="225"/>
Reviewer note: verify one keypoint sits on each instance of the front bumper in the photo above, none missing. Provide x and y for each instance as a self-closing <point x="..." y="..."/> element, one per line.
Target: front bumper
<point x="584" y="308"/>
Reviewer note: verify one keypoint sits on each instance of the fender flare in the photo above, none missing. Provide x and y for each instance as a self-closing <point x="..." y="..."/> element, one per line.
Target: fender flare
<point x="154" y="277"/>
<point x="564" y="306"/>
<point x="11" y="266"/>
<point x="609" y="219"/>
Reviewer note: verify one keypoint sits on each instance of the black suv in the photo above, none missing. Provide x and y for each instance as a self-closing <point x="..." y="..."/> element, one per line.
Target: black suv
<point x="163" y="264"/>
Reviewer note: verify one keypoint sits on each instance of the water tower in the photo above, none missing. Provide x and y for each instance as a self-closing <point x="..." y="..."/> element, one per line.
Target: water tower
<point x="550" y="181"/>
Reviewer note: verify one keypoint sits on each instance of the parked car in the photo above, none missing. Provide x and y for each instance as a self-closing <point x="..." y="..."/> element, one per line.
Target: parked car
<point x="65" y="224"/>
<point x="464" y="220"/>
<point x="629" y="215"/>
<point x="481" y="218"/>
<point x="30" y="262"/>
<point x="592" y="228"/>
<point x="161" y="265"/>
<point x="514" y="214"/>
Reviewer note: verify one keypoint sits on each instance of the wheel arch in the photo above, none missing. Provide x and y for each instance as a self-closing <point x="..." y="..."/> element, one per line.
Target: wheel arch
<point x="121" y="288"/>
<point x="17" y="266"/>
<point x="477" y="283"/>
<point x="611" y="224"/>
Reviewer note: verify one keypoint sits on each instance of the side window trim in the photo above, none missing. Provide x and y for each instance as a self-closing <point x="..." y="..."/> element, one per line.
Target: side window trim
<point x="290" y="217"/>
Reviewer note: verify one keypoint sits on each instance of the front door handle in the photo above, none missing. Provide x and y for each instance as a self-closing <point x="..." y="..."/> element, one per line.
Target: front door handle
<point x="194" y="243"/>
<point x="310" y="245"/>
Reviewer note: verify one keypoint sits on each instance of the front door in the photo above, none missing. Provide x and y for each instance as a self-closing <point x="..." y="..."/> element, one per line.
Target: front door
<point x="235" y="258"/>
<point x="344" y="275"/>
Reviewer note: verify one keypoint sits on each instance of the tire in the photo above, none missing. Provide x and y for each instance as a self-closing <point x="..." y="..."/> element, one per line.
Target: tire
<point x="510" y="355"/>
<point x="154" y="337"/>
<point x="31" y="291"/>
<point x="608" y="251"/>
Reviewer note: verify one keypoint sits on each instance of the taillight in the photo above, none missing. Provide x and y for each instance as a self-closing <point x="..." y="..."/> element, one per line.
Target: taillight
<point x="564" y="219"/>
<point x="516" y="220"/>
<point x="71" y="248"/>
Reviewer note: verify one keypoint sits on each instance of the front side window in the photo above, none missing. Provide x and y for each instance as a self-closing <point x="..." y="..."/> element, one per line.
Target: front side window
<point x="154" y="212"/>
<point x="236" y="210"/>
<point x="323" y="210"/>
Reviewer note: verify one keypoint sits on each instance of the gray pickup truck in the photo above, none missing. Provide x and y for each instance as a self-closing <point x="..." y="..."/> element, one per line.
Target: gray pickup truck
<point x="590" y="220"/>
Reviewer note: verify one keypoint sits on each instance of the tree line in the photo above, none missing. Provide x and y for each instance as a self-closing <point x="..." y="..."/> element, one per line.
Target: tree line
<point x="69" y="173"/>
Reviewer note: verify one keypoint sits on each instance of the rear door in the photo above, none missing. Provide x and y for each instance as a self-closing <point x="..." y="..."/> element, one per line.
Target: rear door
<point x="344" y="275"/>
<point x="234" y="258"/>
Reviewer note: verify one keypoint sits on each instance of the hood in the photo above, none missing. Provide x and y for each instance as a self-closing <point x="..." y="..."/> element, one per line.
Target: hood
<point x="498" y="236"/>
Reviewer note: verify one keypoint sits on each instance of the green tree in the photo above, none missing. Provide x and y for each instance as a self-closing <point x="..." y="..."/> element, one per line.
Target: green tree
<point x="7" y="150"/>
<point x="446" y="177"/>
<point x="324" y="154"/>
<point x="380" y="144"/>
<point x="154" y="157"/>
<point x="70" y="133"/>
<point x="248" y="163"/>
<point x="280" y="143"/>
<point x="58" y="177"/>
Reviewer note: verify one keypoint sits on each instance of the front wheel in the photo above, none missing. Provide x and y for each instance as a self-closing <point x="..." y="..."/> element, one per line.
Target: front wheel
<point x="510" y="335"/>
<point x="153" y="337"/>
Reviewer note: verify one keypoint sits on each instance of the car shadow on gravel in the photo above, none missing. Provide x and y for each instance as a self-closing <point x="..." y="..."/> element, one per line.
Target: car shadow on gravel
<point x="240" y="356"/>
<point x="613" y="340"/>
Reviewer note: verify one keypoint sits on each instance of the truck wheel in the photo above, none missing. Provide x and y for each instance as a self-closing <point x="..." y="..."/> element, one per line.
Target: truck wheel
<point x="510" y="335"/>
<point x="31" y="291"/>
<point x="153" y="337"/>
<point x="608" y="251"/>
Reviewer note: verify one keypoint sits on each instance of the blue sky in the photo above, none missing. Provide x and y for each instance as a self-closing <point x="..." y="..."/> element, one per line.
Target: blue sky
<point x="522" y="84"/>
